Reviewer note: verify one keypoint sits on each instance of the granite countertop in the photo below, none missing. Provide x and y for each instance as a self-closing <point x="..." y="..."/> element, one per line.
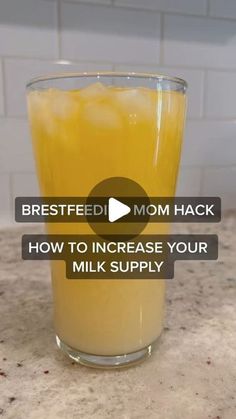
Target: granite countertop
<point x="192" y="375"/>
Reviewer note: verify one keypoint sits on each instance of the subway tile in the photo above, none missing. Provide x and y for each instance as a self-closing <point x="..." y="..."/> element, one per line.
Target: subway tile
<point x="15" y="146"/>
<point x="225" y="8"/>
<point x="5" y="211"/>
<point x="28" y="28"/>
<point x="189" y="181"/>
<point x="18" y="72"/>
<point x="195" y="41"/>
<point x="209" y="143"/>
<point x="91" y="32"/>
<point x="221" y="94"/>
<point x="1" y="91"/>
<point x="193" y="77"/>
<point x="198" y="7"/>
<point x="24" y="184"/>
<point x="221" y="182"/>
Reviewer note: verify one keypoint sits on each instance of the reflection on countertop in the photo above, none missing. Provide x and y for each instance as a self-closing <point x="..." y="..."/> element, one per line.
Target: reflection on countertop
<point x="192" y="374"/>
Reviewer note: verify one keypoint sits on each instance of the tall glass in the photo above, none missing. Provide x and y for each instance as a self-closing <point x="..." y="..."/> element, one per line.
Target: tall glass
<point x="86" y="128"/>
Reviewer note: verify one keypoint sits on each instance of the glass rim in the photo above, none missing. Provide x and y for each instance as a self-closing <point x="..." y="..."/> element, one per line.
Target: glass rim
<point x="67" y="75"/>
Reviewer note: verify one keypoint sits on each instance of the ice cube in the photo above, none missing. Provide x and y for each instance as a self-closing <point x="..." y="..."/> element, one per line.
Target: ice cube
<point x="35" y="101"/>
<point x="38" y="106"/>
<point x="64" y="104"/>
<point x="102" y="116"/>
<point x="96" y="91"/>
<point x="135" y="102"/>
<point x="40" y="110"/>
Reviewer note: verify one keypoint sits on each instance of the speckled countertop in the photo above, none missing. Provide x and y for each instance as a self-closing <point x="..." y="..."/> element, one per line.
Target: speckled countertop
<point x="192" y="375"/>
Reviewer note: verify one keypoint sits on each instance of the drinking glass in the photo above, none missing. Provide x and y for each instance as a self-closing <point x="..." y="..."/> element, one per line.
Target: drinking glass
<point x="87" y="128"/>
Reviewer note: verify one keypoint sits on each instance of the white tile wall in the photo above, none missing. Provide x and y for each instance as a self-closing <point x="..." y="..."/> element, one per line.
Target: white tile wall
<point x="189" y="181"/>
<point x="209" y="143"/>
<point x="25" y="184"/>
<point x="91" y="32"/>
<point x="221" y="182"/>
<point x="175" y="37"/>
<point x="1" y="90"/>
<point x="200" y="42"/>
<point x="5" y="207"/>
<point x="198" y="7"/>
<point x="223" y="8"/>
<point x="193" y="77"/>
<point x="15" y="146"/>
<point x="18" y="72"/>
<point x="221" y="94"/>
<point x="28" y="28"/>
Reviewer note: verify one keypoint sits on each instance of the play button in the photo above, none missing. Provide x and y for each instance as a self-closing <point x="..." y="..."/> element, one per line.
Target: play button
<point x="117" y="210"/>
<point x="117" y="195"/>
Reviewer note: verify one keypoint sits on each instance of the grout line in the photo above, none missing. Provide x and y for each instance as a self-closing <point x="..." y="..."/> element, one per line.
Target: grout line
<point x="6" y="201"/>
<point x="58" y="13"/>
<point x="215" y="119"/>
<point x="184" y="166"/>
<point x="208" y="166"/>
<point x="203" y="15"/>
<point x="26" y="57"/>
<point x="132" y="64"/>
<point x="4" y="93"/>
<point x="204" y="94"/>
<point x="208" y="8"/>
<point x="210" y="119"/>
<point x="161" y="54"/>
<point x="140" y="8"/>
<point x="179" y="66"/>
<point x="29" y="172"/>
<point x="133" y="8"/>
<point x="17" y="117"/>
<point x="11" y="195"/>
<point x="53" y="60"/>
<point x="201" y="183"/>
<point x="91" y="3"/>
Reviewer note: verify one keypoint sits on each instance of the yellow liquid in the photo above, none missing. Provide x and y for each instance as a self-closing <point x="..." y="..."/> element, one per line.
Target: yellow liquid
<point x="81" y="138"/>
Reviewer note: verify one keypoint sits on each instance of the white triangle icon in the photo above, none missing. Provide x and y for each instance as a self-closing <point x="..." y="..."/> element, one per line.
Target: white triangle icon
<point x="116" y="210"/>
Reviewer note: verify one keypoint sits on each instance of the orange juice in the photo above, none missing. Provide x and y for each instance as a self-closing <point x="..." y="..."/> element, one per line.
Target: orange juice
<point x="80" y="138"/>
